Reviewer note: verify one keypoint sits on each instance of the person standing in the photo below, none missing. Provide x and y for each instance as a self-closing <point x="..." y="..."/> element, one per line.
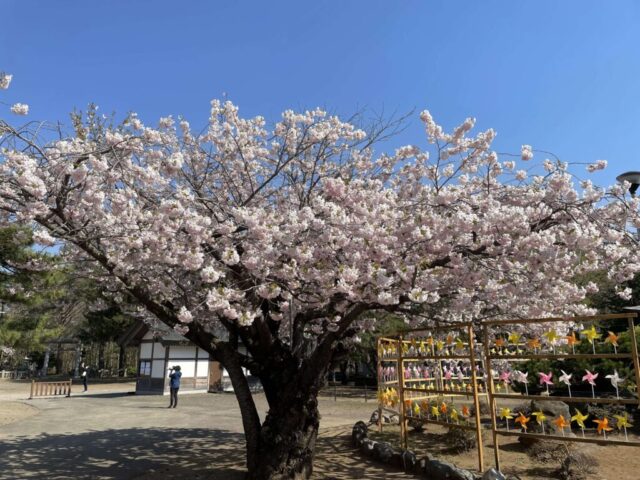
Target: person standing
<point x="85" y="373"/>
<point x="174" y="385"/>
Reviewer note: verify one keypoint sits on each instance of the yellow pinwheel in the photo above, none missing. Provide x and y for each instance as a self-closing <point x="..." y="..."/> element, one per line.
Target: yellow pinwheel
<point x="459" y="344"/>
<point x="591" y="335"/>
<point x="416" y="410"/>
<point x="551" y="335"/>
<point x="439" y="345"/>
<point x="505" y="414"/>
<point x="454" y="415"/>
<point x="540" y="418"/>
<point x="622" y="422"/>
<point x="579" y="418"/>
<point x="514" y="338"/>
<point x="435" y="412"/>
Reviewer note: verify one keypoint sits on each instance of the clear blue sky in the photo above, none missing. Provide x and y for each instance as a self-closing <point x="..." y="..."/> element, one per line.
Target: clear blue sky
<point x="559" y="75"/>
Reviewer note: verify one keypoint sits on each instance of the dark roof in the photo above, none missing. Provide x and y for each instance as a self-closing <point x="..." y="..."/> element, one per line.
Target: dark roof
<point x="165" y="334"/>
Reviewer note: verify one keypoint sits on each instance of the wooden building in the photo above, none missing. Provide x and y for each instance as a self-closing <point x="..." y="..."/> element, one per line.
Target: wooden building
<point x="161" y="348"/>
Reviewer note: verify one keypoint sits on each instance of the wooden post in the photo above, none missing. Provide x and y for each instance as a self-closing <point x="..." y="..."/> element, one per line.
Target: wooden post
<point x="32" y="386"/>
<point x="69" y="388"/>
<point x="403" y="426"/>
<point x="379" y="369"/>
<point x="492" y="401"/>
<point x="476" y="403"/>
<point x="634" y="354"/>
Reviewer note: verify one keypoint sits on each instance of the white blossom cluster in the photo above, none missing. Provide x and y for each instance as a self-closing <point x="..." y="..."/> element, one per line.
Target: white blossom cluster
<point x="244" y="225"/>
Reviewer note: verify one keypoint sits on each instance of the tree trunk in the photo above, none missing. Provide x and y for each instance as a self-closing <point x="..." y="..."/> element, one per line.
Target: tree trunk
<point x="121" y="368"/>
<point x="101" y="356"/>
<point x="287" y="440"/>
<point x="45" y="362"/>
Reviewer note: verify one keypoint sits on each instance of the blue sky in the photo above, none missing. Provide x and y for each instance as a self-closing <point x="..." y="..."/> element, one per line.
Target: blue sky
<point x="559" y="75"/>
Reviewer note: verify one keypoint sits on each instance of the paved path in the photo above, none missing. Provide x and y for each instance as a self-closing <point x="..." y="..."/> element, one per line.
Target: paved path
<point x="110" y="434"/>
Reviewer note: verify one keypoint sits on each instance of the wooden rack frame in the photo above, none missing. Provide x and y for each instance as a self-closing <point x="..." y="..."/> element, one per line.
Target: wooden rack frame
<point x="399" y="340"/>
<point x="490" y="358"/>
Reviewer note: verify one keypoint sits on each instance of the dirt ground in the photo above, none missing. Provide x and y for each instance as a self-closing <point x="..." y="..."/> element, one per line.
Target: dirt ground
<point x="108" y="433"/>
<point x="513" y="456"/>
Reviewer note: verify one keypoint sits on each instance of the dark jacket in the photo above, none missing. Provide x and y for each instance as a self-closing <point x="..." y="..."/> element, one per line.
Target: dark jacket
<point x="175" y="379"/>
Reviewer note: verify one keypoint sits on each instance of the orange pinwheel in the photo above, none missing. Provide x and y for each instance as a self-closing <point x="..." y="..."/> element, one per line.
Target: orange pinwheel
<point x="561" y="423"/>
<point x="533" y="343"/>
<point x="424" y="405"/>
<point x="522" y="420"/>
<point x="572" y="339"/>
<point x="465" y="411"/>
<point x="500" y="342"/>
<point x="603" y="426"/>
<point x="407" y="404"/>
<point x="612" y="338"/>
<point x="443" y="408"/>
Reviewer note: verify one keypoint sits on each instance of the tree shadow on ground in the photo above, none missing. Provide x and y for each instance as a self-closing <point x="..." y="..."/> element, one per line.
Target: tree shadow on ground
<point x="125" y="454"/>
<point x="165" y="453"/>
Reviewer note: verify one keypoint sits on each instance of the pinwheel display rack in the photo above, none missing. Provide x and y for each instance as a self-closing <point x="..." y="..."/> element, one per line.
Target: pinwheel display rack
<point x="403" y="396"/>
<point x="405" y="389"/>
<point x="501" y="350"/>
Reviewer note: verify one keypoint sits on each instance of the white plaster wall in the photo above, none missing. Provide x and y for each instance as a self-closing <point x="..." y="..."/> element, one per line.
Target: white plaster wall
<point x="145" y="350"/>
<point x="176" y="351"/>
<point x="158" y="369"/>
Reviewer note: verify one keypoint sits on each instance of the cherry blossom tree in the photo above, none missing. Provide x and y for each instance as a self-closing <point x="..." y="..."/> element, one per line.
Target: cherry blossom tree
<point x="289" y="237"/>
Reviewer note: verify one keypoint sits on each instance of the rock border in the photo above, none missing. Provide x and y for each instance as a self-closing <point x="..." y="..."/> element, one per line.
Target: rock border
<point x="406" y="460"/>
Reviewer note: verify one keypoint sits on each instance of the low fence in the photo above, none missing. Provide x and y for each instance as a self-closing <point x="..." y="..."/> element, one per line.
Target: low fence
<point x="12" y="374"/>
<point x="336" y="390"/>
<point x="49" y="389"/>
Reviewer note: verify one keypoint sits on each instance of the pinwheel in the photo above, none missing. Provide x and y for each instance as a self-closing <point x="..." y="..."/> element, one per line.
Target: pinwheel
<point x="460" y="376"/>
<point x="514" y="338"/>
<point x="612" y="338"/>
<point x="505" y="414"/>
<point x="552" y="337"/>
<point x="545" y="379"/>
<point x="465" y="412"/>
<point x="459" y="344"/>
<point x="443" y="408"/>
<point x="622" y="422"/>
<point x="579" y="418"/>
<point x="522" y="420"/>
<point x="504" y="377"/>
<point x="424" y="407"/>
<point x="521" y="377"/>
<point x="435" y="412"/>
<point x="439" y="345"/>
<point x="454" y="416"/>
<point x="561" y="423"/>
<point x="591" y="335"/>
<point x="449" y="340"/>
<point x="603" y="426"/>
<point x="407" y="406"/>
<point x="591" y="377"/>
<point x="540" y="418"/>
<point x="534" y="344"/>
<point x="405" y="349"/>
<point x="500" y="343"/>
<point x="566" y="379"/>
<point x="430" y="343"/>
<point x="416" y="410"/>
<point x="615" y="381"/>
<point x="573" y="341"/>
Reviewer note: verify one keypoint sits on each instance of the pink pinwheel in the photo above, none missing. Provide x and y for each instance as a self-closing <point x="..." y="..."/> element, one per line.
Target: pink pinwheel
<point x="505" y="377"/>
<point x="590" y="377"/>
<point x="545" y="379"/>
<point x="447" y="375"/>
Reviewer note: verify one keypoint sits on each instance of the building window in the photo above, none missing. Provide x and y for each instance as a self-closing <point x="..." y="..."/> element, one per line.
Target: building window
<point x="145" y="367"/>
